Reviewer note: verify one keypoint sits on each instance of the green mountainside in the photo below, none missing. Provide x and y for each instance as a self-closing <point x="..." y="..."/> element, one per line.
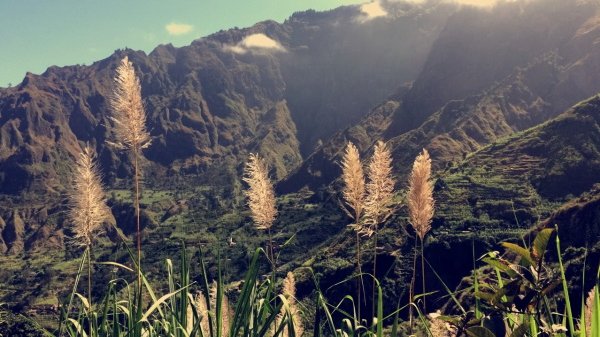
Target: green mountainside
<point x="492" y="94"/>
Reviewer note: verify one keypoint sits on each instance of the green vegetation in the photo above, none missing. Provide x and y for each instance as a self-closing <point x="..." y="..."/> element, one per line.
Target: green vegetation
<point x="209" y="108"/>
<point x="519" y="293"/>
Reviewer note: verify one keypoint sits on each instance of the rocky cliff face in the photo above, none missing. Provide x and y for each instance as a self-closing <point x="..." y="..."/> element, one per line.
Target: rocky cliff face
<point x="220" y="97"/>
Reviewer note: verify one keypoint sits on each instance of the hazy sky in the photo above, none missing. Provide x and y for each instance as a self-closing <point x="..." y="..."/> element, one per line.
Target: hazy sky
<point x="36" y="34"/>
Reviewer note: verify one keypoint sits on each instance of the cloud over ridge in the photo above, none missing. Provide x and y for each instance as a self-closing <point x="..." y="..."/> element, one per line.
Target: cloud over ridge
<point x="175" y="28"/>
<point x="255" y="42"/>
<point x="371" y="10"/>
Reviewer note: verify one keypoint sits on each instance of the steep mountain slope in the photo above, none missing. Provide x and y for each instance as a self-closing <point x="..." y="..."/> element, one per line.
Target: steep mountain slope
<point x="208" y="105"/>
<point x="451" y="114"/>
<point x="524" y="176"/>
<point x="496" y="193"/>
<point x="578" y="220"/>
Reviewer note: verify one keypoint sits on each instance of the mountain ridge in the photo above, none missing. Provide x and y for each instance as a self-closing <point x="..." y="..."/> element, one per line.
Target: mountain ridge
<point x="211" y="103"/>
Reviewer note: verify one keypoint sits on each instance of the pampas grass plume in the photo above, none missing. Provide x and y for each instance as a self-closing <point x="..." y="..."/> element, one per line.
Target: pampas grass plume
<point x="420" y="195"/>
<point x="88" y="210"/>
<point x="354" y="184"/>
<point x="202" y="309"/>
<point x="128" y="110"/>
<point x="261" y="197"/>
<point x="289" y="291"/>
<point x="380" y="189"/>
<point x="588" y="312"/>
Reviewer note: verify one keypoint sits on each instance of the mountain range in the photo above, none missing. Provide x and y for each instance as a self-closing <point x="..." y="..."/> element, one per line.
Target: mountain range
<point x="504" y="99"/>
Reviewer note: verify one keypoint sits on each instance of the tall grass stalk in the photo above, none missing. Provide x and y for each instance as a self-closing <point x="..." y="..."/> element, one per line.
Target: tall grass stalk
<point x="354" y="197"/>
<point x="421" y="208"/>
<point x="261" y="199"/>
<point x="378" y="202"/>
<point x="130" y="130"/>
<point x="87" y="207"/>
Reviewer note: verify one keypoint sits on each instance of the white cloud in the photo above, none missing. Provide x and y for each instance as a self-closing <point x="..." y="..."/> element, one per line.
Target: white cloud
<point x="371" y="10"/>
<point x="255" y="42"/>
<point x="477" y="3"/>
<point x="174" y="28"/>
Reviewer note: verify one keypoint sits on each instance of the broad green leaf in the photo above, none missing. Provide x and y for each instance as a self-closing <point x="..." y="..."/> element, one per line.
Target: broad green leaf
<point x="500" y="265"/>
<point x="540" y="243"/>
<point x="522" y="252"/>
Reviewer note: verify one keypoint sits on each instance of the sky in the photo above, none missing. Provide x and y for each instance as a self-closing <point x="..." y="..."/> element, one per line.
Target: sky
<point x="36" y="34"/>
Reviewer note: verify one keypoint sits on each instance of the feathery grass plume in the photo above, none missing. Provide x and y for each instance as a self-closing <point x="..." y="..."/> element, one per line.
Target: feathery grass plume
<point x="354" y="184"/>
<point x="202" y="309"/>
<point x="289" y="291"/>
<point x="380" y="189"/>
<point x="261" y="197"/>
<point x="588" y="312"/>
<point x="420" y="209"/>
<point x="189" y="318"/>
<point x="227" y="315"/>
<point x="420" y="195"/>
<point x="88" y="210"/>
<point x="128" y="110"/>
<point x="354" y="197"/>
<point x="87" y="206"/>
<point x="226" y="311"/>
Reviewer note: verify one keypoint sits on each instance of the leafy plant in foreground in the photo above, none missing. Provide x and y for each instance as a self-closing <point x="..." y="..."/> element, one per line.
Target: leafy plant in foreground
<point x="525" y="290"/>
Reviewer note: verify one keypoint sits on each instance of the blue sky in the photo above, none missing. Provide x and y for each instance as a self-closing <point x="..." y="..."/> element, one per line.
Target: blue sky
<point x="36" y="34"/>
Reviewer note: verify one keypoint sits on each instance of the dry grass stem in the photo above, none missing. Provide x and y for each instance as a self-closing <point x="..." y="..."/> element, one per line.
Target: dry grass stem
<point x="420" y="195"/>
<point x="88" y="210"/>
<point x="261" y="197"/>
<point x="380" y="189"/>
